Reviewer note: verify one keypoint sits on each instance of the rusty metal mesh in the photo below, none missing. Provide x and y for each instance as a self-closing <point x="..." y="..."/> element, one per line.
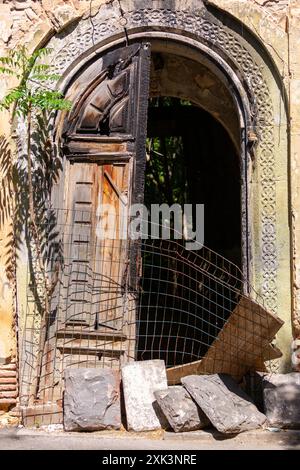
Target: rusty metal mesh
<point x="121" y="300"/>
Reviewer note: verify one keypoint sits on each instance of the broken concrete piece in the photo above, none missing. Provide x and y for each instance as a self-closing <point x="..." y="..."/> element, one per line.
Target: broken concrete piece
<point x="226" y="405"/>
<point x="140" y="381"/>
<point x="282" y="399"/>
<point x="92" y="400"/>
<point x="179" y="408"/>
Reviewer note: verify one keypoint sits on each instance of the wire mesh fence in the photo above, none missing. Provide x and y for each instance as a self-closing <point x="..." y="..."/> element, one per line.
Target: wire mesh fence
<point x="114" y="301"/>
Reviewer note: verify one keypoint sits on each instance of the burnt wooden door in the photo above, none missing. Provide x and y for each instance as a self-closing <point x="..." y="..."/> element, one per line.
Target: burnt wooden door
<point x="103" y="141"/>
<point x="95" y="243"/>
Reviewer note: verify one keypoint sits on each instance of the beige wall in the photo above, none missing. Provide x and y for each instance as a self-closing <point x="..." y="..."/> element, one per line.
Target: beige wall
<point x="276" y="25"/>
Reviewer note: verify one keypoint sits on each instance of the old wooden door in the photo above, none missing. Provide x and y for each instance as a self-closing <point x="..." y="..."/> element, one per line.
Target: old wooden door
<point x="95" y="243"/>
<point x="103" y="139"/>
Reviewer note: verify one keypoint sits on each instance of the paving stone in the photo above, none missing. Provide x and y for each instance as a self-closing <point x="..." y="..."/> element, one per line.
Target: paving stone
<point x="180" y="410"/>
<point x="282" y="399"/>
<point x="92" y="400"/>
<point x="226" y="405"/>
<point x="140" y="381"/>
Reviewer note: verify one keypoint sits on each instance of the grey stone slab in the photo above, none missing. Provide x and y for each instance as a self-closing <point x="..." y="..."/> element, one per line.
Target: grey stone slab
<point x="282" y="399"/>
<point x="181" y="411"/>
<point x="92" y="400"/>
<point x="140" y="380"/>
<point x="226" y="405"/>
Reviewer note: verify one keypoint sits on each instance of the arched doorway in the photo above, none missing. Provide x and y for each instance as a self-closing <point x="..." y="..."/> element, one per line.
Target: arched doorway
<point x="227" y="57"/>
<point x="97" y="314"/>
<point x="95" y="308"/>
<point x="191" y="159"/>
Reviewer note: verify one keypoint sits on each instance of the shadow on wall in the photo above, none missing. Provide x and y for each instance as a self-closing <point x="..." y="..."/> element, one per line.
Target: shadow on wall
<point x="14" y="204"/>
<point x="14" y="209"/>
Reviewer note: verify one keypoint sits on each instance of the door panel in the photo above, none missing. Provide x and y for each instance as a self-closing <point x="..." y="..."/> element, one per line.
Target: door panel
<point x="83" y="185"/>
<point x="95" y="250"/>
<point x="103" y="142"/>
<point x="111" y="251"/>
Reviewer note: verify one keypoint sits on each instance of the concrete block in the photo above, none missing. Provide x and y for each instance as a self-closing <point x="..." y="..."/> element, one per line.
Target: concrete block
<point x="226" y="405"/>
<point x="180" y="410"/>
<point x="282" y="399"/>
<point x="140" y="381"/>
<point x="92" y="400"/>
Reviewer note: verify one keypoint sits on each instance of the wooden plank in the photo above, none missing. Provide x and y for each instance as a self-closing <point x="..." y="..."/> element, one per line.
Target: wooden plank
<point x="83" y="184"/>
<point x="240" y="346"/>
<point x="111" y="252"/>
<point x="92" y="334"/>
<point x="93" y="147"/>
<point x="100" y="344"/>
<point x="271" y="352"/>
<point x="90" y="351"/>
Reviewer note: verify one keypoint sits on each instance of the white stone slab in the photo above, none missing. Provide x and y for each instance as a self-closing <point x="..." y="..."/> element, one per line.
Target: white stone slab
<point x="140" y="381"/>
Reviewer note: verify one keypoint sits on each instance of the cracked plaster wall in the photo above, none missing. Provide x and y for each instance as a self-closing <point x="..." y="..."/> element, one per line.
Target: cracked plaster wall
<point x="275" y="23"/>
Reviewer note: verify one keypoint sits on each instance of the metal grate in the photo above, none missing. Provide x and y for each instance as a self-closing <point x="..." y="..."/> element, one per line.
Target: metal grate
<point x="121" y="300"/>
<point x="184" y="302"/>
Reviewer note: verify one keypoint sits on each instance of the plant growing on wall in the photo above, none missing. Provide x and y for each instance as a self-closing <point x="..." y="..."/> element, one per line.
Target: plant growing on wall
<point x="27" y="179"/>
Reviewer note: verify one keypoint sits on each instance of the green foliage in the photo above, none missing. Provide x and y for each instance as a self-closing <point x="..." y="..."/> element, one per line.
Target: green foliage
<point x="33" y="91"/>
<point x="166" y="176"/>
<point x="168" y="101"/>
<point x="26" y="181"/>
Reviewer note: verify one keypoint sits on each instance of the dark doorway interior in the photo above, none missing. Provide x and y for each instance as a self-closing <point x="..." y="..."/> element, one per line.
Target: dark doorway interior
<point x="190" y="159"/>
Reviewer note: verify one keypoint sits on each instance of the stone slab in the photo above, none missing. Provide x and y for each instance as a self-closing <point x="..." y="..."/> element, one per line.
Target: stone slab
<point x="92" y="400"/>
<point x="180" y="410"/>
<point x="140" y="381"/>
<point x="281" y="394"/>
<point x="227" y="406"/>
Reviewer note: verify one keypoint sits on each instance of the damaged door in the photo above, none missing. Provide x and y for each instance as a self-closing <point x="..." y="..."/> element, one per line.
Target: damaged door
<point x="95" y="244"/>
<point x="104" y="158"/>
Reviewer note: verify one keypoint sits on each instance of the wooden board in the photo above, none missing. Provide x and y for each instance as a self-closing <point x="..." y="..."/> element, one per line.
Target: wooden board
<point x="241" y="345"/>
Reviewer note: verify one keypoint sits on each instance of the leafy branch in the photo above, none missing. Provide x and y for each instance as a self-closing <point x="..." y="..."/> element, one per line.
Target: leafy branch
<point x="32" y="100"/>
